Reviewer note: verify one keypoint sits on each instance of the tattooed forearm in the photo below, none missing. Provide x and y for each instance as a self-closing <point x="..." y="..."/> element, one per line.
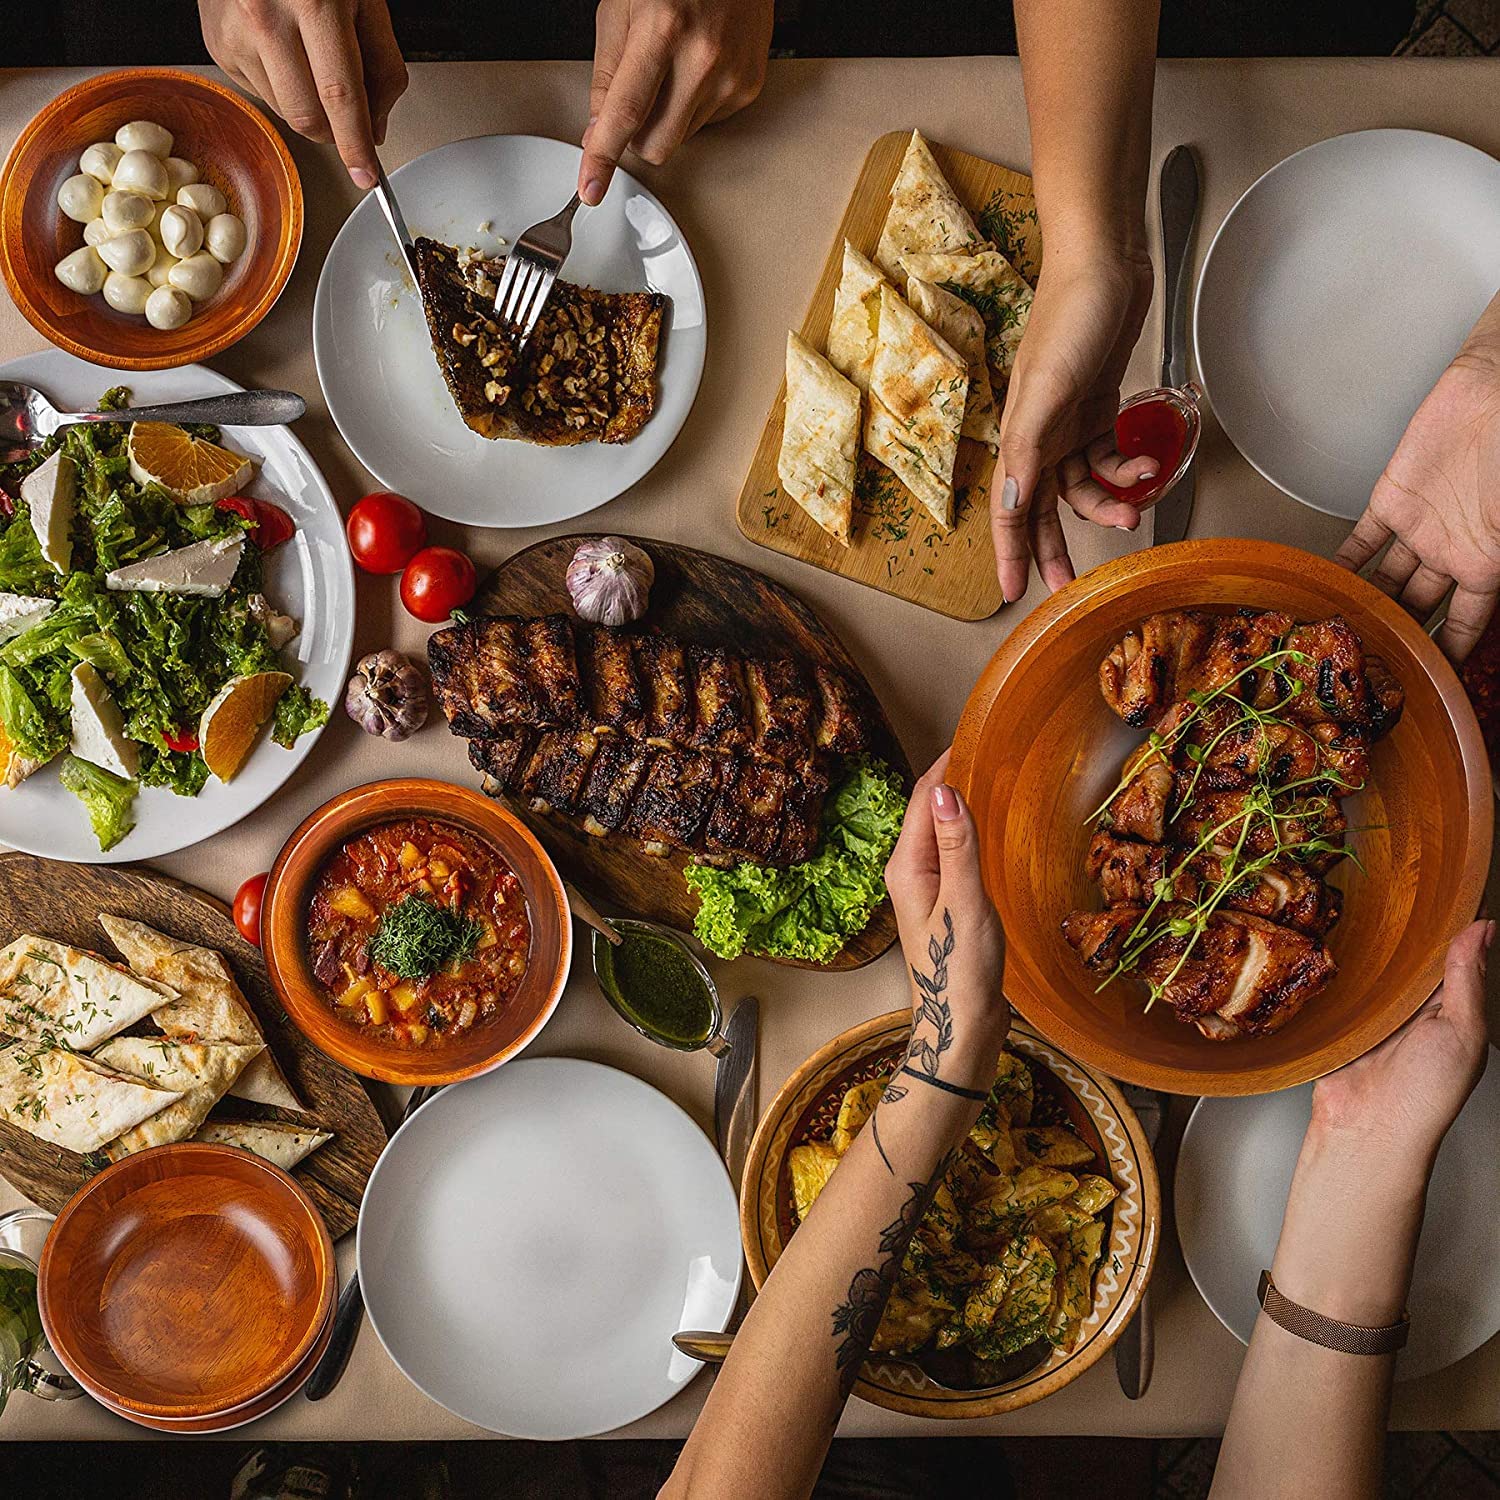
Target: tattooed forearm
<point x="923" y="1052"/>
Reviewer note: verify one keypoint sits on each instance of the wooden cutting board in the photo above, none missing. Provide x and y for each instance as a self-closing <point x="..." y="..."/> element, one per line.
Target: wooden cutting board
<point x="63" y="901"/>
<point x="895" y="547"/>
<point x="714" y="602"/>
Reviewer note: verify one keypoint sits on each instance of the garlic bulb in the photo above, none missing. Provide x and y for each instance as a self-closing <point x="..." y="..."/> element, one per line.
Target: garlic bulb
<point x="609" y="581"/>
<point x="387" y="696"/>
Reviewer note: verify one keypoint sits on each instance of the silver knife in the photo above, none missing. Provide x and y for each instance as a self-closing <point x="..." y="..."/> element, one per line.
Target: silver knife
<point x="1179" y="212"/>
<point x="734" y="1088"/>
<point x="1135" y="1349"/>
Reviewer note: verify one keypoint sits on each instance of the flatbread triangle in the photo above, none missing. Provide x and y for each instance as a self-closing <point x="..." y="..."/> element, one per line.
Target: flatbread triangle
<point x="819" y="438"/>
<point x="925" y="213"/>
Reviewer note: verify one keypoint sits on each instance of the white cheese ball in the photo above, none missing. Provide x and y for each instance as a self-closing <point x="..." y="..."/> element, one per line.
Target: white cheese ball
<point x="168" y="308"/>
<point x="126" y="294"/>
<point x="130" y="253"/>
<point x="145" y="135"/>
<point x="83" y="271"/>
<point x="142" y="172"/>
<point x="180" y="172"/>
<point x="204" y="199"/>
<point x="200" y="276"/>
<point x="123" y="210"/>
<point x="181" y="231"/>
<point x="81" y="198"/>
<point x="95" y="232"/>
<point x="224" y="237"/>
<point x="160" y="267"/>
<point x="100" y="161"/>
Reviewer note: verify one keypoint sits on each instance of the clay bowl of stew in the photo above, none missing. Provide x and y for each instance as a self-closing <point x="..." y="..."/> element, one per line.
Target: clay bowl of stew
<point x="416" y="932"/>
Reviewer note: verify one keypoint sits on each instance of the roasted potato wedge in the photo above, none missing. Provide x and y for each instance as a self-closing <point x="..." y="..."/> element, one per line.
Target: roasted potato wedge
<point x="812" y="1165"/>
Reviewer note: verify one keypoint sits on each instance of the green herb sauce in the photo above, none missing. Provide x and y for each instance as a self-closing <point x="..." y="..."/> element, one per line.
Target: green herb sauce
<point x="654" y="984"/>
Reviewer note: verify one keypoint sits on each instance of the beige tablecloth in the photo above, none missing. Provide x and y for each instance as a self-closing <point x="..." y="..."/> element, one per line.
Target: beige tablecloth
<point x="759" y="199"/>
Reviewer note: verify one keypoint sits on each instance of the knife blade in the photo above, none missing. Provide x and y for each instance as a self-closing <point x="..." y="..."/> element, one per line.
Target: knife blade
<point x="734" y="1088"/>
<point x="1135" y="1350"/>
<point x="1179" y="212"/>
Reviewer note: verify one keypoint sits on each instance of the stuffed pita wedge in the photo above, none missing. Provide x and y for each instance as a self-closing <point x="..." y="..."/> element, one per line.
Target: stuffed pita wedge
<point x="75" y="1102"/>
<point x="856" y="318"/>
<point x="819" y="438"/>
<point x="925" y="213"/>
<point x="992" y="285"/>
<point x="68" y="996"/>
<point x="281" y="1145"/>
<point x="211" y="1007"/>
<point x="963" y="328"/>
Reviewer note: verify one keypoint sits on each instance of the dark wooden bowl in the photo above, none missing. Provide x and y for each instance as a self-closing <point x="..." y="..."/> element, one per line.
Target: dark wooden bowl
<point x="284" y="932"/>
<point x="1037" y="750"/>
<point x="235" y="148"/>
<point x="186" y="1280"/>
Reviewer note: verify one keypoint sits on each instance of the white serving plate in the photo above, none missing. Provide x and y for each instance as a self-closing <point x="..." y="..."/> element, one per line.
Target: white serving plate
<point x="375" y="358"/>
<point x="1333" y="296"/>
<point x="309" y="577"/>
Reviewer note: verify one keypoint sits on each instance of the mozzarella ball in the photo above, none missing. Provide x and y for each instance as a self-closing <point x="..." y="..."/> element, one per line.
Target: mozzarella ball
<point x="181" y="231"/>
<point x="163" y="263"/>
<point x="126" y="294"/>
<point x="100" y="160"/>
<point x="224" y="237"/>
<point x="145" y="135"/>
<point x="123" y="210"/>
<point x="83" y="271"/>
<point x="168" y="308"/>
<point x="130" y="253"/>
<point x="180" y="172"/>
<point x="95" y="232"/>
<point x="142" y="172"/>
<point x="200" y="276"/>
<point x="204" y="199"/>
<point x="81" y="198"/>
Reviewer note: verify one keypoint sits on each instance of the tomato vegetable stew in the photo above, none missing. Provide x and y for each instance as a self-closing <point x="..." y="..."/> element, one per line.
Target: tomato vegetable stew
<point x="418" y="929"/>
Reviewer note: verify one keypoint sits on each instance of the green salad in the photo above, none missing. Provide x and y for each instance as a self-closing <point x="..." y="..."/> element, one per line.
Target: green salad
<point x="153" y="655"/>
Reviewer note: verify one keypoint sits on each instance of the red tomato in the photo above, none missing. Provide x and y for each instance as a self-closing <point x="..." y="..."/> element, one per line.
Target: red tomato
<point x="385" y="532"/>
<point x="437" y="581"/>
<point x="247" y="908"/>
<point x="270" y="526"/>
<point x="181" y="740"/>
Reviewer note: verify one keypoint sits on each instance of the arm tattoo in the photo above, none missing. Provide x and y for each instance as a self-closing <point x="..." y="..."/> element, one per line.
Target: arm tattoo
<point x="922" y="1054"/>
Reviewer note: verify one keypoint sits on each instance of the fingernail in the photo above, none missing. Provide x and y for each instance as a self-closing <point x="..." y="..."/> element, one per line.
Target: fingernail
<point x="1149" y="473"/>
<point x="593" y="191"/>
<point x="1489" y="935"/>
<point x="1010" y="493"/>
<point x="1125" y="529"/>
<point x="362" y="178"/>
<point x="945" y="803"/>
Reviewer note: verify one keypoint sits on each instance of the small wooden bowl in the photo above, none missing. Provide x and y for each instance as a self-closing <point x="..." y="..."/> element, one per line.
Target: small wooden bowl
<point x="234" y="147"/>
<point x="284" y="932"/>
<point x="1037" y="750"/>
<point x="186" y="1281"/>
<point x="806" y="1108"/>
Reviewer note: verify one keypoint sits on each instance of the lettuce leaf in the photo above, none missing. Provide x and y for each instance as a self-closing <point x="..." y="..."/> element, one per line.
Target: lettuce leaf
<point x="106" y="797"/>
<point x="297" y="711"/>
<point x="28" y="727"/>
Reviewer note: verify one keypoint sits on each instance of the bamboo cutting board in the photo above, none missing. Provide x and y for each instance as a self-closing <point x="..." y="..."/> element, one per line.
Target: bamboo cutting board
<point x="895" y="547"/>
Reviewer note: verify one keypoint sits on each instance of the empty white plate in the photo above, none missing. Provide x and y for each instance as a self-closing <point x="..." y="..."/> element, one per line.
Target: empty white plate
<point x="1233" y="1176"/>
<point x="1332" y="297"/>
<point x="375" y="358"/>
<point x="531" y="1240"/>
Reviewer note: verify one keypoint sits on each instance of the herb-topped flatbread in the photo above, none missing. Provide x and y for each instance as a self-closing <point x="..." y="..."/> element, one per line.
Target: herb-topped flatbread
<point x="78" y="1103"/>
<point x="281" y="1145"/>
<point x="819" y="438"/>
<point x="991" y="285"/>
<point x="962" y="326"/>
<point x="925" y="214"/>
<point x="856" y="318"/>
<point x="68" y="997"/>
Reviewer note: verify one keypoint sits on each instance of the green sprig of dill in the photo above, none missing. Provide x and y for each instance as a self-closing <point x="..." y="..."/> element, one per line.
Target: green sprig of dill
<point x="417" y="937"/>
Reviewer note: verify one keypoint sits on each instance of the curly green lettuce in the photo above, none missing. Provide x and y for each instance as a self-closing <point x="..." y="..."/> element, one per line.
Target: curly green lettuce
<point x="108" y="799"/>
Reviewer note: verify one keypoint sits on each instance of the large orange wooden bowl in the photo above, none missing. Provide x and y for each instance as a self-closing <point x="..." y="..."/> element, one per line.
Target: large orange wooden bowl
<point x="284" y="932"/>
<point x="235" y="147"/>
<point x="1037" y="750"/>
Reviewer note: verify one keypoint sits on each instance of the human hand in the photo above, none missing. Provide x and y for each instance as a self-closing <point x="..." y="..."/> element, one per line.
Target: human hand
<point x="663" y="69"/>
<point x="1060" y="409"/>
<point x="330" y="68"/>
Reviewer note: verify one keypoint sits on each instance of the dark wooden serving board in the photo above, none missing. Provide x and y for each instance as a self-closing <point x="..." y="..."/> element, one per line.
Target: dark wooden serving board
<point x="63" y="901"/>
<point x="715" y="602"/>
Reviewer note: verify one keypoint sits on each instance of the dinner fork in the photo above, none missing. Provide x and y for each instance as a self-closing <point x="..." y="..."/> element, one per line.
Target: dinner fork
<point x="530" y="270"/>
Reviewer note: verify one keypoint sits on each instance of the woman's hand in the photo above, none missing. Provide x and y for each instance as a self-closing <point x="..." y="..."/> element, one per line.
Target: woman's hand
<point x="663" y="69"/>
<point x="330" y="68"/>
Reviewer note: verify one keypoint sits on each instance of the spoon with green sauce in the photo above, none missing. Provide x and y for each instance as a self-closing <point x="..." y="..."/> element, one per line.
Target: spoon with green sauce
<point x="655" y="982"/>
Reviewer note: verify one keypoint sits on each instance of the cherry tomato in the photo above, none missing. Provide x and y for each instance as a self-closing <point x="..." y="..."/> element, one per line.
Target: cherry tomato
<point x="437" y="581"/>
<point x="247" y="908"/>
<point x="270" y="525"/>
<point x="385" y="532"/>
<point x="181" y="740"/>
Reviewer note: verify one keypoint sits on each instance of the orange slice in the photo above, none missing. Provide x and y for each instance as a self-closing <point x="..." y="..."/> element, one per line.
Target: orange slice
<point x="196" y="471"/>
<point x="231" y="722"/>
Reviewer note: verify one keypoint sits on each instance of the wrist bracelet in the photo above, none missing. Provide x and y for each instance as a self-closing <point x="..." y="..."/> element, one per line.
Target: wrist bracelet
<point x="1330" y="1333"/>
<point x="950" y="1088"/>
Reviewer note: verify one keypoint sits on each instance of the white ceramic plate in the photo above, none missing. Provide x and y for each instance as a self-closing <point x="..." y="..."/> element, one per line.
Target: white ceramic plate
<point x="375" y="358"/>
<point x="310" y="577"/>
<point x="531" y="1240"/>
<point x="1332" y="297"/>
<point x="1233" y="1176"/>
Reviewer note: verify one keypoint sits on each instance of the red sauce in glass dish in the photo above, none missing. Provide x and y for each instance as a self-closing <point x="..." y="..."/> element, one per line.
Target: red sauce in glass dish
<point x="1154" y="429"/>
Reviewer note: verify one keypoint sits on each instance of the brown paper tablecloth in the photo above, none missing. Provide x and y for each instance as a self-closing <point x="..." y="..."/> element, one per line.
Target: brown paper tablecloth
<point x="759" y="198"/>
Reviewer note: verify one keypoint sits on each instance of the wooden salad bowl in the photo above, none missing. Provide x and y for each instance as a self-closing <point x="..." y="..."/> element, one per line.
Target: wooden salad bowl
<point x="186" y="1281"/>
<point x="1037" y="750"/>
<point x="235" y="147"/>
<point x="284" y="932"/>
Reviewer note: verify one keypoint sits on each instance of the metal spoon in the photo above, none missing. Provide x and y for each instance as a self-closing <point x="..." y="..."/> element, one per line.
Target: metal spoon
<point x="27" y="416"/>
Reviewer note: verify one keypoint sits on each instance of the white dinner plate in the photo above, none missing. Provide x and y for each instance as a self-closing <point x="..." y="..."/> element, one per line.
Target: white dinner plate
<point x="1233" y="1176"/>
<point x="530" y="1241"/>
<point x="309" y="577"/>
<point x="1332" y="297"/>
<point x="375" y="357"/>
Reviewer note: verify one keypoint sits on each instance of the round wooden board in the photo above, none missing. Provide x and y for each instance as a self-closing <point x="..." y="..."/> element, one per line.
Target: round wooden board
<point x="63" y="901"/>
<point x="714" y="602"/>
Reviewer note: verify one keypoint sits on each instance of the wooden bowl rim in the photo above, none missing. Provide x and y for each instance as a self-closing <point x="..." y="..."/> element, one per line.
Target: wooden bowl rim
<point x="1024" y="985"/>
<point x="302" y="855"/>
<point x="1003" y="1399"/>
<point x="202" y="1153"/>
<point x="236" y="327"/>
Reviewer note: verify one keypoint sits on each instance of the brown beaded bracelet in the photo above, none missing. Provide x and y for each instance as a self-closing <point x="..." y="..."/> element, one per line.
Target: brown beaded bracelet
<point x="1330" y="1333"/>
